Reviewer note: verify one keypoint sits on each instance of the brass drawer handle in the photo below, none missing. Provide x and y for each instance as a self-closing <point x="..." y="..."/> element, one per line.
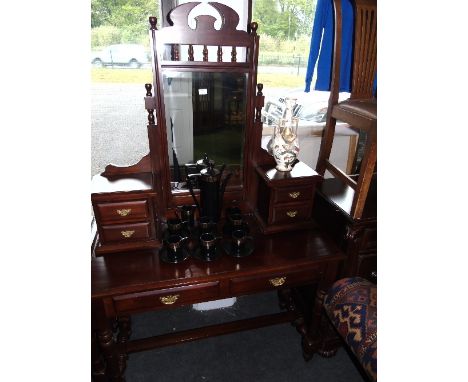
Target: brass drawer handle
<point x="294" y="195"/>
<point x="127" y="234"/>
<point x="169" y="300"/>
<point x="277" y="281"/>
<point x="124" y="212"/>
<point x="291" y="214"/>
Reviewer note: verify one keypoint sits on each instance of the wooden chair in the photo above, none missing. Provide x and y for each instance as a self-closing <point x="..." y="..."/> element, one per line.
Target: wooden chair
<point x="360" y="110"/>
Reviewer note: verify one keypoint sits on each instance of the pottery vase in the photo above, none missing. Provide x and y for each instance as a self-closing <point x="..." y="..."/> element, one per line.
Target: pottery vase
<point x="285" y="150"/>
<point x="285" y="144"/>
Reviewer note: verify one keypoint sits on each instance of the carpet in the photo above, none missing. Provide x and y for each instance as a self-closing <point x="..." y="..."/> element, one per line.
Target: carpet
<point x="267" y="354"/>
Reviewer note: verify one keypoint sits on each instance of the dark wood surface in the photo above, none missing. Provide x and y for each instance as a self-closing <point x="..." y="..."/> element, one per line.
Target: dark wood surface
<point x="341" y="195"/>
<point x="143" y="270"/>
<point x="124" y="209"/>
<point x="143" y="166"/>
<point x="284" y="199"/>
<point x="357" y="237"/>
<point x="138" y="281"/>
<point x="300" y="172"/>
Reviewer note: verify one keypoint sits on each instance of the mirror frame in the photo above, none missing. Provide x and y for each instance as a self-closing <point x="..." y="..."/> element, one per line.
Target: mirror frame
<point x="177" y="34"/>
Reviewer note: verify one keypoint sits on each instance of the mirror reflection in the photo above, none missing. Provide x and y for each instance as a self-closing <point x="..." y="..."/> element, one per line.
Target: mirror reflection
<point x="205" y="114"/>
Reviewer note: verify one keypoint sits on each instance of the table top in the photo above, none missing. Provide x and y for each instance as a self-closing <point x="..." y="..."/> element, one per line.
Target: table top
<point x="139" y="271"/>
<point x="300" y="171"/>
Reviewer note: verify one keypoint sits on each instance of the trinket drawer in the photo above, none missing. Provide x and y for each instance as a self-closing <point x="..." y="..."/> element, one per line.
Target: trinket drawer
<point x="285" y="199"/>
<point x="124" y="209"/>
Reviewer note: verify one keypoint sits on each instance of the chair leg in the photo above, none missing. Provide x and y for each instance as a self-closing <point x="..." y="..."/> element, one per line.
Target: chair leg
<point x="326" y="145"/>
<point x="352" y="149"/>
<point x="365" y="177"/>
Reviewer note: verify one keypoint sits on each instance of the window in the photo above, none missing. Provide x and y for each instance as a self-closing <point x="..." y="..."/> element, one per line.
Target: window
<point x="120" y="66"/>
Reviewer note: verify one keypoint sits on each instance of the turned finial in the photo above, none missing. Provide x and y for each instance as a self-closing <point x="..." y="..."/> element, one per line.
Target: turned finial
<point x="153" y="20"/>
<point x="148" y="88"/>
<point x="259" y="103"/>
<point x="253" y="27"/>
<point x="259" y="88"/>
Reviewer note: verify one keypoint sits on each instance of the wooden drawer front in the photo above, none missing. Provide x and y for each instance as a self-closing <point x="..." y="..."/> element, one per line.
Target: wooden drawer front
<point x="291" y="214"/>
<point x="369" y="239"/>
<point x="188" y="294"/>
<point x="126" y="232"/>
<point x="293" y="194"/>
<point x="121" y="211"/>
<point x="249" y="284"/>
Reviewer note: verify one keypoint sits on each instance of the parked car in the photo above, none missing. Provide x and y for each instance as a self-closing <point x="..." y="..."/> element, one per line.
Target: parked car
<point x="129" y="55"/>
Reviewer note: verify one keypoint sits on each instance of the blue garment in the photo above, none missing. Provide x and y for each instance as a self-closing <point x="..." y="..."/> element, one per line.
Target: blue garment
<point x="324" y="24"/>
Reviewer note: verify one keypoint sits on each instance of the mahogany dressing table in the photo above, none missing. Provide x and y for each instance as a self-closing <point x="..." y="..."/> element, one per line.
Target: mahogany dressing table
<point x="132" y="204"/>
<point x="127" y="283"/>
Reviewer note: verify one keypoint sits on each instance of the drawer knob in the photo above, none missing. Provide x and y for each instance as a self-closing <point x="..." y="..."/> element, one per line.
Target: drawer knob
<point x="127" y="234"/>
<point x="294" y="195"/>
<point x="124" y="211"/>
<point x="291" y="214"/>
<point x="277" y="281"/>
<point x="169" y="300"/>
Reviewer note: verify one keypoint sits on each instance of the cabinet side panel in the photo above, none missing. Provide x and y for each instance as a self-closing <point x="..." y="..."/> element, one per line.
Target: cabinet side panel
<point x="263" y="200"/>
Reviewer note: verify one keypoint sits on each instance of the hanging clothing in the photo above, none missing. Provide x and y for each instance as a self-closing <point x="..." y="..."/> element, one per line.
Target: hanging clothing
<point x="323" y="31"/>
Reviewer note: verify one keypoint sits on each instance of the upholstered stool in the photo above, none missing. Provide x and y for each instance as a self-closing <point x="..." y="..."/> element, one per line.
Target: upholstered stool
<point x="351" y="306"/>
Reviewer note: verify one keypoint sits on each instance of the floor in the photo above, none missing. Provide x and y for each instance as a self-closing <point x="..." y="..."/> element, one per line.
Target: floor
<point x="268" y="354"/>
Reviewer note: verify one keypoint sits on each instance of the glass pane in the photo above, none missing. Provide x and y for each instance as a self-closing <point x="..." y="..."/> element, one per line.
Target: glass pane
<point x="120" y="67"/>
<point x="205" y="114"/>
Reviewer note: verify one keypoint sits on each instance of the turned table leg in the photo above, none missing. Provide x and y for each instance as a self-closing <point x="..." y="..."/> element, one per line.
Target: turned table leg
<point x="314" y="336"/>
<point x="286" y="301"/>
<point x="311" y="339"/>
<point x="109" y="351"/>
<point x="98" y="368"/>
<point x="108" y="357"/>
<point x="125" y="330"/>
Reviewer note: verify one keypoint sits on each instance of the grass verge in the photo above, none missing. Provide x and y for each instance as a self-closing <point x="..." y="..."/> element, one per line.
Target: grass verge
<point x="121" y="76"/>
<point x="143" y="76"/>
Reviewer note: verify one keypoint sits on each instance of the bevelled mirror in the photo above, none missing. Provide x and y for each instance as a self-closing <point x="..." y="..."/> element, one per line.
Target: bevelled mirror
<point x="205" y="115"/>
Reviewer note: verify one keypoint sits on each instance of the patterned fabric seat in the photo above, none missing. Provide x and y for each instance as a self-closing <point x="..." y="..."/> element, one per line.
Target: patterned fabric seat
<point x="351" y="305"/>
